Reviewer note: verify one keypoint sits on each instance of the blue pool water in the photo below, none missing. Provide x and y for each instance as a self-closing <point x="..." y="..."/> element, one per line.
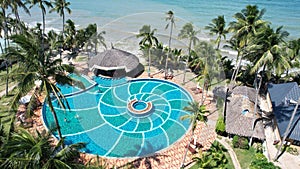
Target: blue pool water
<point x="99" y="117"/>
<point x="140" y="105"/>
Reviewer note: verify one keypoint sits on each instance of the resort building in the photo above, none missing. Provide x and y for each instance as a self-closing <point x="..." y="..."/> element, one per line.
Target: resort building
<point x="240" y="117"/>
<point x="283" y="98"/>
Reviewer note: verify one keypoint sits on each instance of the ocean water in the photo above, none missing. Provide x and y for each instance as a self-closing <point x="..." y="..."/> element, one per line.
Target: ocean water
<point x="132" y="14"/>
<point x="121" y="20"/>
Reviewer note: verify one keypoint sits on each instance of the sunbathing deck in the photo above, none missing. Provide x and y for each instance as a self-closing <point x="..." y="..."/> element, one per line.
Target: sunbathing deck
<point x="172" y="156"/>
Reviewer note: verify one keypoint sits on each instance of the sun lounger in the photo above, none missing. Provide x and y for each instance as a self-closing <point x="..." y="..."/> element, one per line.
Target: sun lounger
<point x="194" y="146"/>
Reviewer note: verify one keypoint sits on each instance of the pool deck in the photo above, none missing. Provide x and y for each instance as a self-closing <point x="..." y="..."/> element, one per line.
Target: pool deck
<point x="171" y="157"/>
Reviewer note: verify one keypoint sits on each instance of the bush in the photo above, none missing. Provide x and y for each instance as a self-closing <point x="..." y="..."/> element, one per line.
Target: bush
<point x="258" y="147"/>
<point x="235" y="141"/>
<point x="240" y="142"/>
<point x="292" y="151"/>
<point x="261" y="161"/>
<point x="220" y="126"/>
<point x="243" y="143"/>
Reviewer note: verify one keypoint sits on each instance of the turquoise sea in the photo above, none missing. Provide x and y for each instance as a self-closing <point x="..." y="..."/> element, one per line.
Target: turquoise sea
<point x="132" y="14"/>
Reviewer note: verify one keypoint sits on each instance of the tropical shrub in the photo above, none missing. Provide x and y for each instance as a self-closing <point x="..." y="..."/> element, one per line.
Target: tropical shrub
<point x="292" y="151"/>
<point x="220" y="126"/>
<point x="260" y="161"/>
<point x="240" y="142"/>
<point x="235" y="141"/>
<point x="258" y="147"/>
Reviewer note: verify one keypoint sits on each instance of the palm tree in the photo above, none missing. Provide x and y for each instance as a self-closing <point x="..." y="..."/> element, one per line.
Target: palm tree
<point x="25" y="150"/>
<point x="188" y="32"/>
<point x="5" y="4"/>
<point x="96" y="37"/>
<point x="197" y="115"/>
<point x="35" y="66"/>
<point x="148" y="41"/>
<point x="60" y="6"/>
<point x="14" y="6"/>
<point x="170" y="17"/>
<point x="234" y="44"/>
<point x="42" y="5"/>
<point x="248" y="21"/>
<point x="213" y="158"/>
<point x="294" y="45"/>
<point x="218" y="27"/>
<point x="268" y="52"/>
<point x="207" y="62"/>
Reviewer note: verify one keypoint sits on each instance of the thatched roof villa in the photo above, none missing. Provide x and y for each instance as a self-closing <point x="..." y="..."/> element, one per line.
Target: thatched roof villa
<point x="240" y="113"/>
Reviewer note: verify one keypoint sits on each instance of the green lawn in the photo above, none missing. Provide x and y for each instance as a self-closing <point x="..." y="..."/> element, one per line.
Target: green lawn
<point x="230" y="163"/>
<point x="3" y="78"/>
<point x="245" y="156"/>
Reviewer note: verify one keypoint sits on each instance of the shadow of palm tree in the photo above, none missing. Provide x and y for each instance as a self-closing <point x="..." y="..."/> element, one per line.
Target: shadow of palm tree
<point x="147" y="160"/>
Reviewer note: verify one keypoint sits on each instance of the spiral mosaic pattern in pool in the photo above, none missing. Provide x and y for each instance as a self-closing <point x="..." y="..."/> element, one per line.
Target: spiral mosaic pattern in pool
<point x="113" y="126"/>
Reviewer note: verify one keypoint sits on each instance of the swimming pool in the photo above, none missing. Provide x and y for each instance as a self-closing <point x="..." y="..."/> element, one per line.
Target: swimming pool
<point x="132" y="119"/>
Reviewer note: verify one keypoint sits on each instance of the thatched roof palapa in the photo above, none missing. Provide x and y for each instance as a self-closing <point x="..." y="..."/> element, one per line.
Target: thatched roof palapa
<point x="240" y="114"/>
<point x="114" y="59"/>
<point x="245" y="91"/>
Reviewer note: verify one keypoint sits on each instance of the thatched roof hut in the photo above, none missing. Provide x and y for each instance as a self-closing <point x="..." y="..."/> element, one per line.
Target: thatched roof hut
<point x="240" y="114"/>
<point x="244" y="91"/>
<point x="115" y="62"/>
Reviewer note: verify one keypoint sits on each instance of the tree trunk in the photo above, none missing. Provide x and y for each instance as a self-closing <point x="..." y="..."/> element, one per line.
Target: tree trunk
<point x="287" y="131"/>
<point x="5" y="47"/>
<point x="236" y="65"/>
<point x="237" y="69"/>
<point x="187" y="148"/>
<point x="149" y="61"/>
<point x="43" y="33"/>
<point x="225" y="105"/>
<point x="55" y="119"/>
<point x="186" y="62"/>
<point x="255" y="107"/>
<point x="7" y="72"/>
<point x="169" y="50"/>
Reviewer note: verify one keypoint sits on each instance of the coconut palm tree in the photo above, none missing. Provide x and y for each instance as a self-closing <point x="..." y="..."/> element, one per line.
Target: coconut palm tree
<point x="213" y="158"/>
<point x="294" y="45"/>
<point x="234" y="44"/>
<point x="5" y="4"/>
<point x="60" y="6"/>
<point x="35" y="66"/>
<point x="148" y="41"/>
<point x="197" y="115"/>
<point x="42" y="4"/>
<point x="170" y="18"/>
<point x="208" y="63"/>
<point x="248" y="21"/>
<point x="188" y="32"/>
<point x="95" y="37"/>
<point x="14" y="7"/>
<point x="25" y="150"/>
<point x="218" y="27"/>
<point x="270" y="52"/>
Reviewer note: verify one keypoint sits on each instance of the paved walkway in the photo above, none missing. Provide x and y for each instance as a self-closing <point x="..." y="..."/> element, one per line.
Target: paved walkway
<point x="286" y="160"/>
<point x="231" y="153"/>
